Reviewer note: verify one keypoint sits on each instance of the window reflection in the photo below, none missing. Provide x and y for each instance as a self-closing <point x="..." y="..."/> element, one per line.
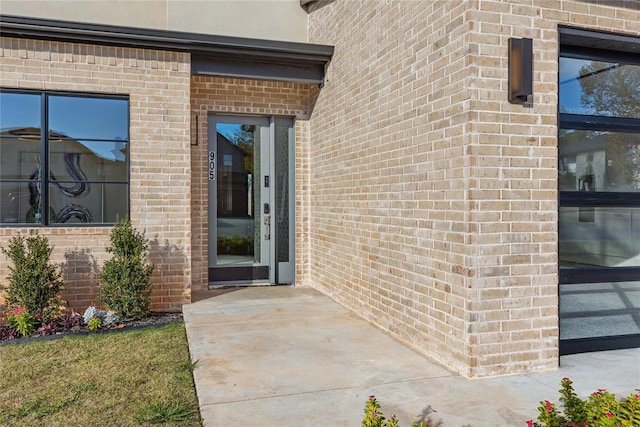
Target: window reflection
<point x="599" y="310"/>
<point x="88" y="160"/>
<point x="598" y="161"/>
<point x="19" y="111"/>
<point x="599" y="88"/>
<point x="89" y="118"/>
<point x="86" y="150"/>
<point x="599" y="237"/>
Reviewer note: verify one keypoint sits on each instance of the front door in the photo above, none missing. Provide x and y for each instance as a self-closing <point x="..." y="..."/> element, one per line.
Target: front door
<point x="250" y="162"/>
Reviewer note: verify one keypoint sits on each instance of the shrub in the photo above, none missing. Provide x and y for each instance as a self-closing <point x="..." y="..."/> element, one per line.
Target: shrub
<point x="34" y="282"/>
<point x="69" y="321"/>
<point x="94" y="324"/>
<point x="235" y="245"/>
<point x="22" y="321"/>
<point x="107" y="318"/>
<point x="600" y="409"/>
<point x="127" y="275"/>
<point x="373" y="416"/>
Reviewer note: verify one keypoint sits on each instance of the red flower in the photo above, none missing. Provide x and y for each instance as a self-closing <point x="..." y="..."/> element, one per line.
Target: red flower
<point x="17" y="311"/>
<point x="530" y="423"/>
<point x="609" y="414"/>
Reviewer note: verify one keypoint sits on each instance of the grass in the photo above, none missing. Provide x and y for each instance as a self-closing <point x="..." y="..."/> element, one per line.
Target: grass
<point x="137" y="378"/>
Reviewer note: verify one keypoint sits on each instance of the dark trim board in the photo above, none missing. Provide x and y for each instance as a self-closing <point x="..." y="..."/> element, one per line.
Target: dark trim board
<point x="601" y="40"/>
<point x="587" y="345"/>
<point x="582" y="275"/>
<point x="238" y="274"/>
<point x="237" y="56"/>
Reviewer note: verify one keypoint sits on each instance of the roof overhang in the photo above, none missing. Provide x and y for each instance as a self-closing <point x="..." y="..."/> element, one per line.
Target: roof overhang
<point x="211" y="54"/>
<point x="605" y="41"/>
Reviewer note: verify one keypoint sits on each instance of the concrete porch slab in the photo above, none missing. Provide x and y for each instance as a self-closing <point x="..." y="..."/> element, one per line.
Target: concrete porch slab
<point x="290" y="356"/>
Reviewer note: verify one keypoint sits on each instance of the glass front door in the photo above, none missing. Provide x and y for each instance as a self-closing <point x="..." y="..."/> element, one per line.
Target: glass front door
<point x="249" y="167"/>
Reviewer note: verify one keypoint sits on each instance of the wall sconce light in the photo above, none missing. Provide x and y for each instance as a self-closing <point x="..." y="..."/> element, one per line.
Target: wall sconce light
<point x="520" y="70"/>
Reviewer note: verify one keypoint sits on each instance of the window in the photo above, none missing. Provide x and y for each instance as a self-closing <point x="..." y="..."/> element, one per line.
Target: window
<point x="599" y="187"/>
<point x="75" y="172"/>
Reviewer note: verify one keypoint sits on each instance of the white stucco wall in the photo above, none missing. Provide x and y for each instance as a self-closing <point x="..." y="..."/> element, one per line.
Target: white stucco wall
<point x="263" y="19"/>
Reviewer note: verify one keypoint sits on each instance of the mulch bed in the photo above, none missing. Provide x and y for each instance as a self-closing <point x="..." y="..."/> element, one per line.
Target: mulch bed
<point x="154" y="319"/>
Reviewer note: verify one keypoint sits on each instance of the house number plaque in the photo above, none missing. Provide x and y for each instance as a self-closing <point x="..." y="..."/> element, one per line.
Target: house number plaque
<point x="212" y="166"/>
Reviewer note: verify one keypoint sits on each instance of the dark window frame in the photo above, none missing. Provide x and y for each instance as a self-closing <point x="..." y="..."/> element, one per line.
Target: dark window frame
<point x="44" y="142"/>
<point x="574" y="276"/>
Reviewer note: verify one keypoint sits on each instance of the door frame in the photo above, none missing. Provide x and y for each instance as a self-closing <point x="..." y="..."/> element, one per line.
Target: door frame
<point x="270" y="271"/>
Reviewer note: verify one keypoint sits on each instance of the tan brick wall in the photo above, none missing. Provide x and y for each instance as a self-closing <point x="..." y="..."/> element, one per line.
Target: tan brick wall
<point x="158" y="86"/>
<point x="433" y="201"/>
<point x="219" y="95"/>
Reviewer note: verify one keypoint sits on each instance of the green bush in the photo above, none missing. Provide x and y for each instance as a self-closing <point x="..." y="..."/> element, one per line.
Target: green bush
<point x="22" y="321"/>
<point x="235" y="245"/>
<point x="600" y="409"/>
<point x="34" y="282"/>
<point x="127" y="275"/>
<point x="373" y="416"/>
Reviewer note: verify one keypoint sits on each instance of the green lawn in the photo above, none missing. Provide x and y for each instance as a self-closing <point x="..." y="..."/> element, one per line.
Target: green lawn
<point x="135" y="378"/>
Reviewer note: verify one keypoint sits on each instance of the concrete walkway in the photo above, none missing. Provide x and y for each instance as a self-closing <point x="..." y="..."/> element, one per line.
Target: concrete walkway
<point x="290" y="356"/>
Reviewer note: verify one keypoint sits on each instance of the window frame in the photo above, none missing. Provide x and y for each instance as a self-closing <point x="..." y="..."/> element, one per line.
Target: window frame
<point x="567" y="199"/>
<point x="597" y="123"/>
<point x="44" y="142"/>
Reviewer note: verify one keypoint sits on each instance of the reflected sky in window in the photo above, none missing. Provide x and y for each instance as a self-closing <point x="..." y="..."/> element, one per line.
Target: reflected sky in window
<point x="89" y="118"/>
<point x="18" y="110"/>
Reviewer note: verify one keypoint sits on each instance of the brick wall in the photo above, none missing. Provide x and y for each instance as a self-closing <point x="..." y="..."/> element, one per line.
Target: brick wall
<point x="158" y="86"/>
<point x="211" y="95"/>
<point x="433" y="201"/>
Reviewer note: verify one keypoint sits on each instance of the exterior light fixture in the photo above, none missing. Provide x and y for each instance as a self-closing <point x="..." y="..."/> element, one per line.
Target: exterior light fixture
<point x="520" y="70"/>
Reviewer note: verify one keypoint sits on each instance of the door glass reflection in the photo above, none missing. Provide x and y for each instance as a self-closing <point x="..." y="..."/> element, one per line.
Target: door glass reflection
<point x="238" y="194"/>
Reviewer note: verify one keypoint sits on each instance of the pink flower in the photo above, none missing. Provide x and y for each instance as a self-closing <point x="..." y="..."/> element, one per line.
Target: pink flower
<point x="566" y="379"/>
<point x="609" y="414"/>
<point x="595" y="394"/>
<point x="637" y="396"/>
<point x="530" y="423"/>
<point x="372" y="397"/>
<point x="17" y="311"/>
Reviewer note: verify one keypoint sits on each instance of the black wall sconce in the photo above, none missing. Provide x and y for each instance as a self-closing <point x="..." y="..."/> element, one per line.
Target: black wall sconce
<point x="520" y="70"/>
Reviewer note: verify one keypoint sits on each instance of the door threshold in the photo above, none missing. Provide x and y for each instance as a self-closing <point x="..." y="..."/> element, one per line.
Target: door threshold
<point x="237" y="284"/>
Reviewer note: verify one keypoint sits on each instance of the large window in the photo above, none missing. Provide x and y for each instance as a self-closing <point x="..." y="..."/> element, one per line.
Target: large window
<point x="599" y="185"/>
<point x="77" y="171"/>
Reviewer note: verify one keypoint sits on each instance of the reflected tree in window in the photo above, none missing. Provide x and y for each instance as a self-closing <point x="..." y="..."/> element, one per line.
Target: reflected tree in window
<point x="611" y="89"/>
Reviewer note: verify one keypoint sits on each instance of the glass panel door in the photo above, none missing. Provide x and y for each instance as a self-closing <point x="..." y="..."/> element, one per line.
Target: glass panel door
<point x="599" y="195"/>
<point x="250" y="164"/>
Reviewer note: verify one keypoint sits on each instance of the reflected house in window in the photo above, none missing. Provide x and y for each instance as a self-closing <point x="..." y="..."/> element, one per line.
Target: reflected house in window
<point x="234" y="183"/>
<point x="78" y="175"/>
